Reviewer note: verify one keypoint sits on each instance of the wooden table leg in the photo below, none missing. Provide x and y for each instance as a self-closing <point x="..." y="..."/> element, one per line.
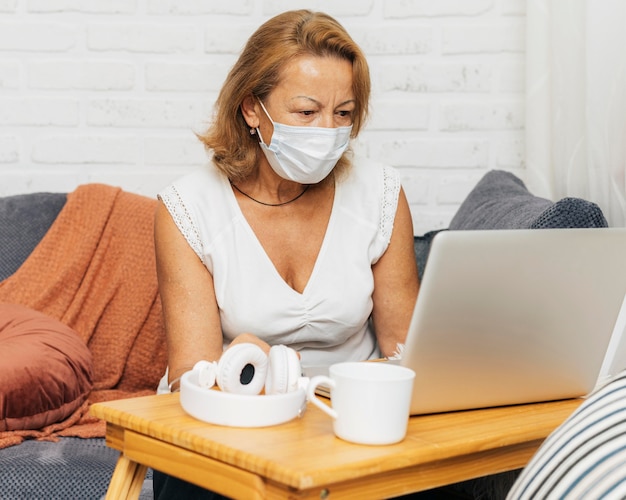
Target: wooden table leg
<point x="127" y="480"/>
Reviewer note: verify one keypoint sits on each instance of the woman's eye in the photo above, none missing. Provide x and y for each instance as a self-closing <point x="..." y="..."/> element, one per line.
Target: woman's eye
<point x="307" y="113"/>
<point x="344" y="114"/>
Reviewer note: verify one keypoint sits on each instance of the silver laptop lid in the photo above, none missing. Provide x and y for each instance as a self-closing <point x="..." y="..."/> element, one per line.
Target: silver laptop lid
<point x="507" y="317"/>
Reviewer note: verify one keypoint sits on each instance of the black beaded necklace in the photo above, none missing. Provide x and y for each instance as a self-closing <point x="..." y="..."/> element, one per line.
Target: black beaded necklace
<point x="306" y="187"/>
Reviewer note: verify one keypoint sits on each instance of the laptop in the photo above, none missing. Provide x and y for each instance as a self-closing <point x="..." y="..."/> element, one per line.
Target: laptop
<point x="516" y="316"/>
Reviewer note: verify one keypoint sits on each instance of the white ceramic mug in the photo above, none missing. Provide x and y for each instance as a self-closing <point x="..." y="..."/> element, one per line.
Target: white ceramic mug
<point x="370" y="400"/>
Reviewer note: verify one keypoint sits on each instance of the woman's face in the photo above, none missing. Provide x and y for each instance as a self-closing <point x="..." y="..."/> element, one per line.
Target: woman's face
<point x="313" y="91"/>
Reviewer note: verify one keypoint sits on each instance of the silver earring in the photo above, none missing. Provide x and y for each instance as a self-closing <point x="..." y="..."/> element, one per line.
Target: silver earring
<point x="252" y="131"/>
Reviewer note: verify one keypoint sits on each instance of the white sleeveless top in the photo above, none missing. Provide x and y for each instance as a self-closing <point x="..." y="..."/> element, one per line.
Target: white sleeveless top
<point x="329" y="321"/>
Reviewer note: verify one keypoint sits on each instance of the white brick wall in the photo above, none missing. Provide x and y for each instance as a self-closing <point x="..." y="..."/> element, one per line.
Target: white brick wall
<point x="113" y="90"/>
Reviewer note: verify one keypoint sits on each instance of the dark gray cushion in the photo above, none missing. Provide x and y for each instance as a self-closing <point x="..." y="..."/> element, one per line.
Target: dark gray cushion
<point x="500" y="200"/>
<point x="69" y="468"/>
<point x="421" y="246"/>
<point x="569" y="213"/>
<point x="24" y="219"/>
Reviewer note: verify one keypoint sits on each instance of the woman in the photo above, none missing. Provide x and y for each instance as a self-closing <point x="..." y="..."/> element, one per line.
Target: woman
<point x="287" y="240"/>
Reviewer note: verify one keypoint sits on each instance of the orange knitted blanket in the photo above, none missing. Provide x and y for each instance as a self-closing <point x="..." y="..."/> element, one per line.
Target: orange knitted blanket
<point x="94" y="270"/>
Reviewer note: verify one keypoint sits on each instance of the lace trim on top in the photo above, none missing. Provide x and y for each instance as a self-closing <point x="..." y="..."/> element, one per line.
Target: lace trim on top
<point x="391" y="190"/>
<point x="175" y="206"/>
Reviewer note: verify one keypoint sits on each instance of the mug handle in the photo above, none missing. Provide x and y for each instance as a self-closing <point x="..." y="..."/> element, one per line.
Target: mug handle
<point x="310" y="394"/>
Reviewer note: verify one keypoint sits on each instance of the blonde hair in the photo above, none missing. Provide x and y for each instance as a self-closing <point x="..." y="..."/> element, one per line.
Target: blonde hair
<point x="257" y="72"/>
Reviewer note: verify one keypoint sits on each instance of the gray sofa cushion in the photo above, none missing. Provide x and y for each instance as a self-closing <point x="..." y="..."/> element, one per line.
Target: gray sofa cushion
<point x="69" y="468"/>
<point x="421" y="246"/>
<point x="500" y="200"/>
<point x="24" y="219"/>
<point x="570" y="212"/>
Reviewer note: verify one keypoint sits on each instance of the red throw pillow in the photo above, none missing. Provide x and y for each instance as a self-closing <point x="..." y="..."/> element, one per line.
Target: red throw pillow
<point x="45" y="369"/>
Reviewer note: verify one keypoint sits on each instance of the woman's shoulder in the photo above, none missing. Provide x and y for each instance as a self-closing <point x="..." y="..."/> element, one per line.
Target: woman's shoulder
<point x="195" y="187"/>
<point x="363" y="167"/>
<point x="199" y="205"/>
<point x="371" y="178"/>
<point x="370" y="192"/>
<point x="199" y="179"/>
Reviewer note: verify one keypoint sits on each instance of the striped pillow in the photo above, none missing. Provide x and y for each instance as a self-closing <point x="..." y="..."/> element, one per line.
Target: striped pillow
<point x="585" y="457"/>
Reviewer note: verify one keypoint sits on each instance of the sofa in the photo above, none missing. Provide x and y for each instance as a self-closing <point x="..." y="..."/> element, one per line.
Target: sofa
<point x="81" y="266"/>
<point x="80" y="322"/>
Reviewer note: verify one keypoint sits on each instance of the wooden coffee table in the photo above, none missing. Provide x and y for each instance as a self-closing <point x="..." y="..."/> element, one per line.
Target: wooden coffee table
<point x="303" y="459"/>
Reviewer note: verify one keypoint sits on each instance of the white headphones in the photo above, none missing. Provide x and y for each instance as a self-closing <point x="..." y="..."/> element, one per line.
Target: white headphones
<point x="246" y="369"/>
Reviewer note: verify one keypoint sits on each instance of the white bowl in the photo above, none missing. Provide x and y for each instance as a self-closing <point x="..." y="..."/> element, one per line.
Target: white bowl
<point x="238" y="410"/>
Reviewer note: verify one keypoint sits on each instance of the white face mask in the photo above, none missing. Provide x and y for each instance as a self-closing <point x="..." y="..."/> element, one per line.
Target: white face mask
<point x="304" y="154"/>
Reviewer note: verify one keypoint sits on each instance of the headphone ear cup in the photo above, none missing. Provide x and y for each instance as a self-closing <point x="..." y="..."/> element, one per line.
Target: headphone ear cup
<point x="206" y="372"/>
<point x="242" y="369"/>
<point x="283" y="370"/>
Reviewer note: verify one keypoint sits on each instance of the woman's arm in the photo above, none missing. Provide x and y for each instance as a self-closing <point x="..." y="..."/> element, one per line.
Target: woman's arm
<point x="191" y="316"/>
<point x="395" y="283"/>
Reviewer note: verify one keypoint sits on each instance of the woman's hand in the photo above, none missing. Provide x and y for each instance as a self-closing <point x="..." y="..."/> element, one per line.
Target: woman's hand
<point x="251" y="339"/>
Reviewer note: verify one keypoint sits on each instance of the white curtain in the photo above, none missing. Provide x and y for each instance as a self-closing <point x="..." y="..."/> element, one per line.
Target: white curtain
<point x="576" y="102"/>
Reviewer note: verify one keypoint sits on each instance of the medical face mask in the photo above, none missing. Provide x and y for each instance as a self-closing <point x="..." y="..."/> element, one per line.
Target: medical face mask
<point x="304" y="154"/>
